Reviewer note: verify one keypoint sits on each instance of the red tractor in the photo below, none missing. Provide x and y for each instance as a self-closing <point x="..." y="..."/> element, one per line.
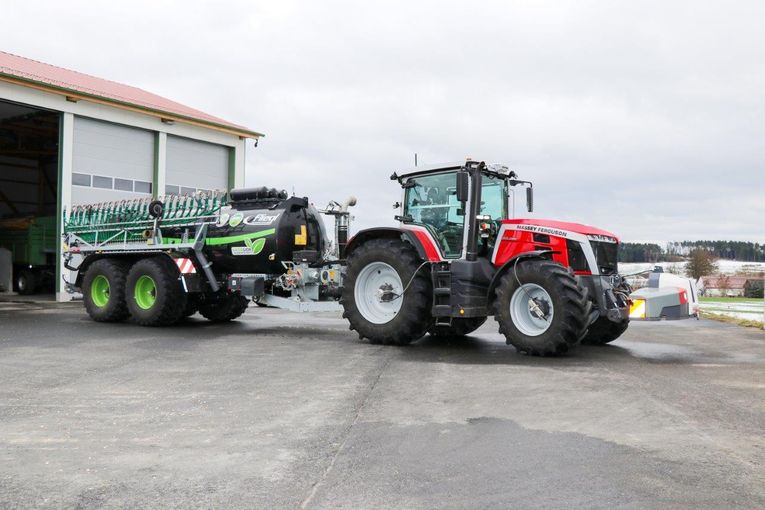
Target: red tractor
<point x="458" y="257"/>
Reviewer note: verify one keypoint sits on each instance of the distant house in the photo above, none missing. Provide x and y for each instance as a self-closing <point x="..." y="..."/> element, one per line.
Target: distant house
<point x="729" y="286"/>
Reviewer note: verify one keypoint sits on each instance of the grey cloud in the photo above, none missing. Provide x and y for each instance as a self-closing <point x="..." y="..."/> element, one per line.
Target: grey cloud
<point x="645" y="118"/>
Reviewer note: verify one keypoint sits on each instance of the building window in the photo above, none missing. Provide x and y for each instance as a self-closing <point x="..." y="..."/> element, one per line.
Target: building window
<point x="123" y="184"/>
<point x="187" y="191"/>
<point x="171" y="190"/>
<point x="80" y="179"/>
<point x="142" y="187"/>
<point x="102" y="182"/>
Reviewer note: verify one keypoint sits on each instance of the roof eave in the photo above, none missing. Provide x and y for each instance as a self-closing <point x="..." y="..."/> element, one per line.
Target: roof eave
<point x="125" y="105"/>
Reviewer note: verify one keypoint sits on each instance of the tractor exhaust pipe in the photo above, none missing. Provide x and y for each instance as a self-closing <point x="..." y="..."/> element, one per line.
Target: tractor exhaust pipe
<point x="342" y="222"/>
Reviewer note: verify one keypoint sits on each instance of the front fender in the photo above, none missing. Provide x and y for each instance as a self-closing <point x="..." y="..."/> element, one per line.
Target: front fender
<point x="536" y="254"/>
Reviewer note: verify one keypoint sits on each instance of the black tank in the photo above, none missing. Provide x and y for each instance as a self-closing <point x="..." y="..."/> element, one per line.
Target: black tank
<point x="260" y="229"/>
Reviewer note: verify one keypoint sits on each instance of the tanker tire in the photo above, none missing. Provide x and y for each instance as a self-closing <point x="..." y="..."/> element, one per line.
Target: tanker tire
<point x="26" y="283"/>
<point x="166" y="304"/>
<point x="571" y="308"/>
<point x="115" y="272"/>
<point x="459" y="327"/>
<point x="414" y="318"/>
<point x="224" y="309"/>
<point x="603" y="331"/>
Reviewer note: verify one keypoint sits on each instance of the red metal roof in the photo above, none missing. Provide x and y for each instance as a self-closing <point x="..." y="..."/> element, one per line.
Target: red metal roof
<point x="28" y="70"/>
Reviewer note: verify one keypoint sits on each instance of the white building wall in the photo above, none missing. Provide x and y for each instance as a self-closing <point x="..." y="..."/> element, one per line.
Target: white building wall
<point x="158" y="130"/>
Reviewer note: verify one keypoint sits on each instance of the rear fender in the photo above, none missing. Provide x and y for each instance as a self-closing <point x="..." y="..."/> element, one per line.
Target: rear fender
<point x="507" y="266"/>
<point x="83" y="267"/>
<point x="424" y="246"/>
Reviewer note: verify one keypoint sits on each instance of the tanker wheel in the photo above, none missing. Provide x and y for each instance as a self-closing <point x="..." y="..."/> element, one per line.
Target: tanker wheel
<point x="155" y="297"/>
<point x="224" y="308"/>
<point x="541" y="308"/>
<point x="603" y="331"/>
<point x="103" y="290"/>
<point x="26" y="283"/>
<point x="374" y="300"/>
<point x="459" y="327"/>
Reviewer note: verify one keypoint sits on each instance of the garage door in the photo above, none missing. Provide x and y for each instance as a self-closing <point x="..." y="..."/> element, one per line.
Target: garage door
<point x="110" y="162"/>
<point x="194" y="165"/>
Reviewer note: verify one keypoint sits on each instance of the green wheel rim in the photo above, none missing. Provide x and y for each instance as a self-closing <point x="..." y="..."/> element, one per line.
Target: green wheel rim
<point x="145" y="292"/>
<point x="99" y="291"/>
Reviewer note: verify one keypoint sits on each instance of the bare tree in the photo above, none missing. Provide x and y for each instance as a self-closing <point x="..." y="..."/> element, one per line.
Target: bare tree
<point x="700" y="263"/>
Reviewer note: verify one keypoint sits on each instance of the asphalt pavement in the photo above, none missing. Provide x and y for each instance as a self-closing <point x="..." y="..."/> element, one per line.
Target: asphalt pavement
<point x="280" y="410"/>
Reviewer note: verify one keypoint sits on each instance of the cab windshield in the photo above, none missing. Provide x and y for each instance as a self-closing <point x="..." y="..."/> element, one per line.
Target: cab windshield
<point x="432" y="202"/>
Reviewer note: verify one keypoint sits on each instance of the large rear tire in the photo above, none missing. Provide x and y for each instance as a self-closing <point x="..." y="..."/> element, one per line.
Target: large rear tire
<point x="103" y="290"/>
<point x="541" y="308"/>
<point x="155" y="297"/>
<point x="459" y="327"/>
<point x="603" y="331"/>
<point x="374" y="300"/>
<point x="224" y="308"/>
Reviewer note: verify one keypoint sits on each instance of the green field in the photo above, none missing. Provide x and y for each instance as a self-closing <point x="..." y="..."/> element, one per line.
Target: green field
<point x="730" y="300"/>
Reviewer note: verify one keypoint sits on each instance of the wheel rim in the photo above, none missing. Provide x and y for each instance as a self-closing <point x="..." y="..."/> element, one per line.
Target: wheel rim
<point x="99" y="291"/>
<point x="22" y="283"/>
<point x="376" y="292"/>
<point x="531" y="309"/>
<point x="145" y="292"/>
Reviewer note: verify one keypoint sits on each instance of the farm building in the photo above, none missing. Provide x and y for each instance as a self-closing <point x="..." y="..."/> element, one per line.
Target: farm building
<point x="731" y="286"/>
<point x="68" y="138"/>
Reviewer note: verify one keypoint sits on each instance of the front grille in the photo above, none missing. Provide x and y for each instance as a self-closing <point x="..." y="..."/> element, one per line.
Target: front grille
<point x="576" y="258"/>
<point x="606" y="255"/>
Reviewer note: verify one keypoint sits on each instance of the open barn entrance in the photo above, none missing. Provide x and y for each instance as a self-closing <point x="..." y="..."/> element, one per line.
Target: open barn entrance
<point x="29" y="156"/>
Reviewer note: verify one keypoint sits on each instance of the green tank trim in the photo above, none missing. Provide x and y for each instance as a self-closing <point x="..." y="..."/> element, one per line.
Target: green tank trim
<point x="217" y="241"/>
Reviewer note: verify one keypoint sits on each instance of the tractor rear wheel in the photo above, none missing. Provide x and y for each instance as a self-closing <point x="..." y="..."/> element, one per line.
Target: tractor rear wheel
<point x="155" y="297"/>
<point x="541" y="308"/>
<point x="387" y="295"/>
<point x="603" y="331"/>
<point x="459" y="327"/>
<point x="224" y="308"/>
<point x="103" y="290"/>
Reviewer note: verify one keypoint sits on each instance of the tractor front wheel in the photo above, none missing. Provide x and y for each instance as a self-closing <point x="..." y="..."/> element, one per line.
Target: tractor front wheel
<point x="387" y="294"/>
<point x="155" y="297"/>
<point x="603" y="331"/>
<point x="541" y="308"/>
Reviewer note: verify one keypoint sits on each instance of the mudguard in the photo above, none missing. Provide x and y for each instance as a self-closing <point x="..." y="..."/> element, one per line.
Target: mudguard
<point x="425" y="251"/>
<point x="535" y="254"/>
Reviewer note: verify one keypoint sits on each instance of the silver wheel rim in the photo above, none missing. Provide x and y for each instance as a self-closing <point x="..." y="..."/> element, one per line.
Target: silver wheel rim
<point x="531" y="309"/>
<point x="375" y="292"/>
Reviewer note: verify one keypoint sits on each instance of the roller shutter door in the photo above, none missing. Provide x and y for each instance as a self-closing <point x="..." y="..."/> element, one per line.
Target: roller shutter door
<point x="194" y="165"/>
<point x="110" y="162"/>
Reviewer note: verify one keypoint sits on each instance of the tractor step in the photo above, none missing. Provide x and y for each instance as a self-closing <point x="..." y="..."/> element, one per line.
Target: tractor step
<point x="442" y="292"/>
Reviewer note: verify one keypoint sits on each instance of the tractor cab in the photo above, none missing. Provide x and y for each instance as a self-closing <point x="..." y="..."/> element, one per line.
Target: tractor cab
<point x="461" y="205"/>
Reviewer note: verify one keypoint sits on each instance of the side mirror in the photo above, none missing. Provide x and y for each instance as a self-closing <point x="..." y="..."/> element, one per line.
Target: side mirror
<point x="463" y="185"/>
<point x="530" y="199"/>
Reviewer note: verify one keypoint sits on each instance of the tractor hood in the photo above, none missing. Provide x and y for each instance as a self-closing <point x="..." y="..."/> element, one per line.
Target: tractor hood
<point x="561" y="225"/>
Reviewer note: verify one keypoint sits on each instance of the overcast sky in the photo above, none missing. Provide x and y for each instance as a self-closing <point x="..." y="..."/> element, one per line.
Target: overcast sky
<point x="643" y="118"/>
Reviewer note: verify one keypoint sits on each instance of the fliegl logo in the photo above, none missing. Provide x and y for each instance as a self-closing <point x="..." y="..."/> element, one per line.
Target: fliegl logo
<point x="261" y="219"/>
